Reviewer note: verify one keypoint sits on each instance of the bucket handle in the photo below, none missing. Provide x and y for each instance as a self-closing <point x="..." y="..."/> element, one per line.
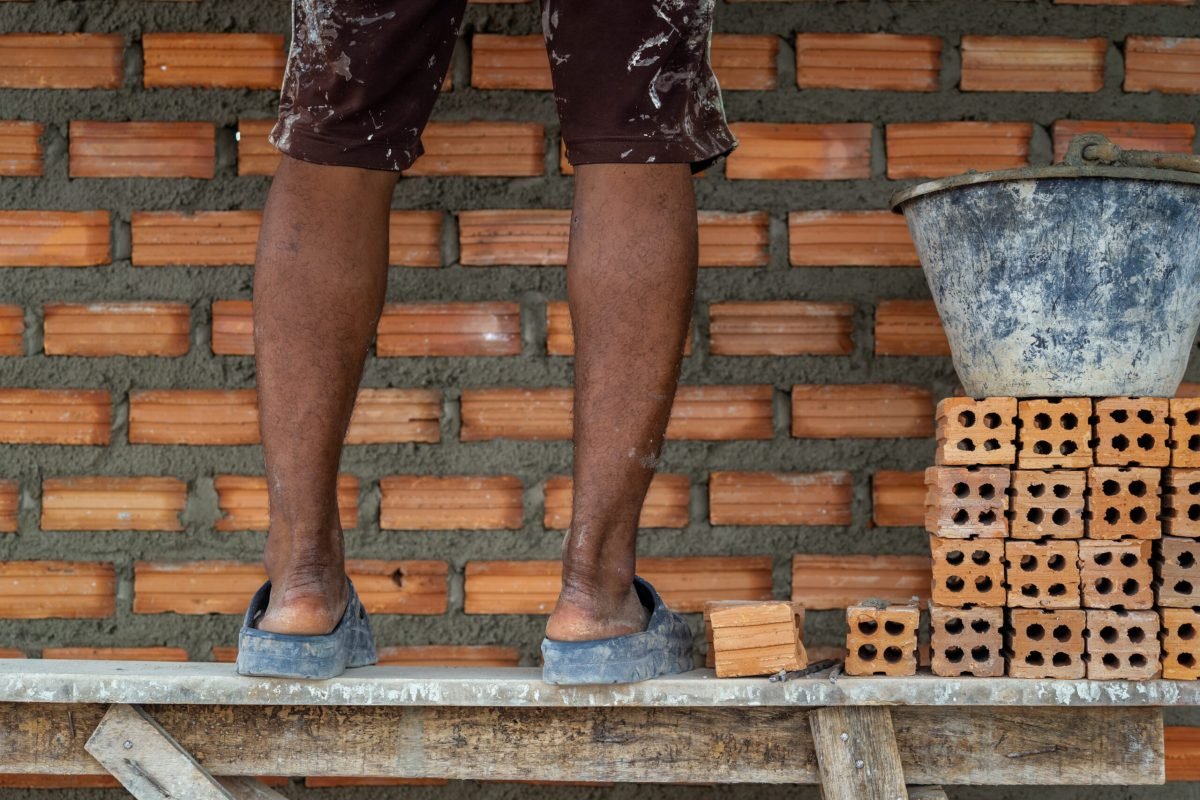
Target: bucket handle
<point x="1092" y="149"/>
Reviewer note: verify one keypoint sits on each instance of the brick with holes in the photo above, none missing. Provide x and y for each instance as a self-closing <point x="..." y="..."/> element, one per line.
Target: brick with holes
<point x="1117" y="574"/>
<point x="1181" y="502"/>
<point x="756" y="638"/>
<point x="1046" y="644"/>
<point x="882" y="641"/>
<point x="1132" y="431"/>
<point x="1180" y="643"/>
<point x="964" y="502"/>
<point x="1048" y="504"/>
<point x="967" y="572"/>
<point x="1123" y="645"/>
<point x="1124" y="503"/>
<point x="1043" y="574"/>
<point x="1178" y="581"/>
<point x="967" y="641"/>
<point x="1185" y="432"/>
<point x="1054" y="433"/>
<point x="971" y="432"/>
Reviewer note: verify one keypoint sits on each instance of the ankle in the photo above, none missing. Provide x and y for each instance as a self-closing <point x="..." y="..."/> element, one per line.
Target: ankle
<point x="584" y="616"/>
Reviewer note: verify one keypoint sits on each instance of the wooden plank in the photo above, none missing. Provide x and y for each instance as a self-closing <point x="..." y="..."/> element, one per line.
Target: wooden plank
<point x="857" y="752"/>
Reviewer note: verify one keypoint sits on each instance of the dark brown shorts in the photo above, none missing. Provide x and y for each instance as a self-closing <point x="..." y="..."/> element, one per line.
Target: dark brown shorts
<point x="632" y="80"/>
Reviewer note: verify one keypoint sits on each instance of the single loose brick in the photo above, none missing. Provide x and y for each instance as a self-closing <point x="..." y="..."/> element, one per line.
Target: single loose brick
<point x="116" y="329"/>
<point x="1132" y="432"/>
<point x="245" y="504"/>
<point x="429" y="502"/>
<point x="823" y="582"/>
<point x="1032" y="64"/>
<point x="909" y="328"/>
<point x="867" y="411"/>
<point x="1185" y="431"/>
<point x="966" y="502"/>
<point x="849" y="239"/>
<point x="142" y="149"/>
<point x="774" y="498"/>
<point x="449" y="329"/>
<point x="756" y="638"/>
<point x="1043" y="574"/>
<point x="62" y="60"/>
<point x="213" y="60"/>
<point x="1169" y="64"/>
<point x="781" y="328"/>
<point x="710" y="658"/>
<point x="898" y="498"/>
<point x="1055" y="433"/>
<point x="1124" y="502"/>
<point x="12" y="330"/>
<point x="54" y="238"/>
<point x="500" y="149"/>
<point x="1168" y="137"/>
<point x="877" y="61"/>
<point x="446" y="655"/>
<point x="1123" y="645"/>
<point x="1180" y="644"/>
<point x="116" y="653"/>
<point x="966" y="641"/>
<point x="666" y="504"/>
<point x="1181" y="502"/>
<point x="1178" y="573"/>
<point x="967" y="573"/>
<point x="10" y="505"/>
<point x="882" y="641"/>
<point x="971" y="432"/>
<point x="110" y="503"/>
<point x="798" y="151"/>
<point x="20" y="148"/>
<point x="1047" y="644"/>
<point x="1117" y="574"/>
<point x="941" y="149"/>
<point x="1048" y="504"/>
<point x="55" y="416"/>
<point x="57" y="589"/>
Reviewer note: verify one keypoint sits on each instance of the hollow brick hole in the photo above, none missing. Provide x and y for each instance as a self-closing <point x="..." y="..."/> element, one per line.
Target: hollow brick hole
<point x="954" y="654"/>
<point x="954" y="626"/>
<point x="867" y="627"/>
<point x="867" y="652"/>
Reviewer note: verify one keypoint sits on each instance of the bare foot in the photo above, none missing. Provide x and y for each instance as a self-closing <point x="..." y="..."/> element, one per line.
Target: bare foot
<point x="578" y="619"/>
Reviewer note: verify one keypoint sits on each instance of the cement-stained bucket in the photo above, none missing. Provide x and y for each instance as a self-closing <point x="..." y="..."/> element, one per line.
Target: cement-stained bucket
<point x="1073" y="280"/>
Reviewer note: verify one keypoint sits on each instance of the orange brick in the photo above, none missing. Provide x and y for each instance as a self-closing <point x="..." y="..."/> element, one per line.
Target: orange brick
<point x="686" y="584"/>
<point x="1178" y="581"/>
<point x="967" y="502"/>
<point x="433" y="655"/>
<point x="61" y="60"/>
<point x="1032" y="64"/>
<point x="10" y="505"/>
<point x="142" y="149"/>
<point x="449" y="329"/>
<point x="882" y="641"/>
<point x="55" y="416"/>
<point x="867" y="411"/>
<point x="501" y="149"/>
<point x="20" y="147"/>
<point x="722" y="413"/>
<point x="967" y="641"/>
<point x="11" y="652"/>
<point x="1124" y="502"/>
<point x="876" y="61"/>
<point x="116" y="653"/>
<point x="1043" y="574"/>
<point x="797" y="151"/>
<point x="529" y="414"/>
<point x="1181" y="647"/>
<point x="1055" y="433"/>
<point x="12" y="330"/>
<point x="666" y="503"/>
<point x="940" y="149"/>
<point x="232" y="328"/>
<point x="225" y="587"/>
<point x="781" y="328"/>
<point x="256" y="155"/>
<point x="909" y="328"/>
<point x="1123" y="645"/>
<point x="384" y="416"/>
<point x="1181" y="502"/>
<point x="1168" y="137"/>
<point x="116" y="329"/>
<point x="36" y="781"/>
<point x="824" y="582"/>
<point x="62" y="589"/>
<point x="1132" y="432"/>
<point x="898" y="498"/>
<point x="109" y="503"/>
<point x="200" y="238"/>
<point x="1169" y="64"/>
<point x="213" y="60"/>
<point x="1047" y="644"/>
<point x="1185" y="431"/>
<point x="1048" y="504"/>
<point x="415" y="238"/>
<point x="756" y="638"/>
<point x="1117" y="574"/>
<point x="1182" y="744"/>
<point x="967" y="573"/>
<point x="977" y="432"/>
<point x="734" y="238"/>
<point x="54" y="238"/>
<point x="743" y="61"/>
<point x="428" y="502"/>
<point x="245" y="504"/>
<point x="849" y="239"/>
<point x="776" y="498"/>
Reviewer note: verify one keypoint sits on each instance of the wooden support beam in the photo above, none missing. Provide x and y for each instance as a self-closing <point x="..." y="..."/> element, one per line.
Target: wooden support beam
<point x="857" y="752"/>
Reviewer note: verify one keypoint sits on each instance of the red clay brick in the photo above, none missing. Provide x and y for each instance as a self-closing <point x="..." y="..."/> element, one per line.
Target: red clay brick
<point x="1185" y="431"/>
<point x="1167" y="64"/>
<point x="245" y="505"/>
<point x="776" y="498"/>
<point x="57" y="589"/>
<point x="529" y="414"/>
<point x="1055" y="433"/>
<point x="722" y="413"/>
<point x="1182" y="744"/>
<point x="434" y="655"/>
<point x="232" y="328"/>
<point x="61" y="60"/>
<point x="55" y="416"/>
<point x="213" y="60"/>
<point x="1169" y="137"/>
<point x="1043" y="574"/>
<point x="54" y="238"/>
<point x="824" y="582"/>
<point x="383" y="416"/>
<point x="882" y="641"/>
<point x="1123" y="645"/>
<point x="1124" y="502"/>
<point x="971" y="431"/>
<point x="449" y="329"/>
<point x="734" y="238"/>
<point x="142" y="149"/>
<point x="967" y="573"/>
<point x="867" y="411"/>
<point x="12" y="330"/>
<point x="876" y="61"/>
<point x="743" y="61"/>
<point x="967" y="502"/>
<point x="940" y="149"/>
<point x="20" y="148"/>
<point x="10" y="505"/>
<point x="967" y="641"/>
<point x="1178" y="583"/>
<point x="749" y="639"/>
<point x="256" y="155"/>
<point x="36" y="781"/>
<point x="781" y="328"/>
<point x="116" y="329"/>
<point x="1047" y="644"/>
<point x="798" y="151"/>
<point x="1132" y="432"/>
<point x="1048" y="504"/>
<point x="501" y="149"/>
<point x="666" y="503"/>
<point x="1181" y="502"/>
<point x="898" y="498"/>
<point x="1117" y="574"/>
<point x="116" y="653"/>
<point x="909" y="328"/>
<point x="849" y="239"/>
<point x="110" y="503"/>
<point x="1181" y="647"/>
<point x="1032" y="64"/>
<point x="435" y="503"/>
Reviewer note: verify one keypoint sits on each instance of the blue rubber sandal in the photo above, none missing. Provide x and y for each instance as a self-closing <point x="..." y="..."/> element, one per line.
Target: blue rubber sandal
<point x="664" y="648"/>
<point x="281" y="655"/>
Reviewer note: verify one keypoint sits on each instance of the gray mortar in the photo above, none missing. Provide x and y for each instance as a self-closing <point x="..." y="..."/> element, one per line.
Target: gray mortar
<point x="532" y="287"/>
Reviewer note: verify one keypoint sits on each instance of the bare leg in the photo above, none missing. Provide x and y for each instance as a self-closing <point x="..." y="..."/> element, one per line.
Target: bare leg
<point x="318" y="291"/>
<point x="631" y="278"/>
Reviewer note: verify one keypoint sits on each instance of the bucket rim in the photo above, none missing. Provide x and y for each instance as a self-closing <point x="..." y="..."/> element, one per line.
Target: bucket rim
<point x="1057" y="171"/>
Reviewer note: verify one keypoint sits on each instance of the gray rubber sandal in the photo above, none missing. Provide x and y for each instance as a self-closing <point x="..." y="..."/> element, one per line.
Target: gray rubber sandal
<point x="280" y="655"/>
<point x="664" y="648"/>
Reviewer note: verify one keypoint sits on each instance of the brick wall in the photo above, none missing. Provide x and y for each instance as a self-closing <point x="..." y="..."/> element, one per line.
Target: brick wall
<point x="135" y="167"/>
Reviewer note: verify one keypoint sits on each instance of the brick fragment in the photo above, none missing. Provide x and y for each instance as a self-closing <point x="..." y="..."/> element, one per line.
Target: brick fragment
<point x="781" y="328"/>
<point x="245" y="503"/>
<point x="12" y="330"/>
<point x="1178" y="573"/>
<point x="1181" y="502"/>
<point x="967" y="573"/>
<point x="849" y="239"/>
<point x="1047" y="644"/>
<point x="898" y="498"/>
<point x="1169" y="64"/>
<point x="449" y="329"/>
<point x="1180" y="644"/>
<point x="255" y="154"/>
<point x="383" y="416"/>
<point x="774" y="498"/>
<point x="967" y="502"/>
<point x="20" y="148"/>
<point x="1132" y="431"/>
<point x="866" y="411"/>
<point x="1123" y="645"/>
<point x="428" y="502"/>
<point x="1055" y="433"/>
<point x="560" y="331"/>
<point x="116" y="653"/>
<point x="57" y="589"/>
<point x="142" y="149"/>
<point x="1185" y="431"/>
<point x="798" y="151"/>
<point x="435" y="655"/>
<point x="1032" y="64"/>
<point x="1048" y="504"/>
<point x="111" y="503"/>
<point x="823" y="582"/>
<point x="873" y="61"/>
<point x="941" y="149"/>
<point x="116" y="329"/>
<point x="882" y="641"/>
<point x="213" y="60"/>
<point x="973" y="431"/>
<point x="1117" y="574"/>
<point x="756" y="638"/>
<point x="54" y="238"/>
<point x="1043" y="574"/>
<point x="1168" y="137"/>
<point x="55" y="416"/>
<point x="666" y="503"/>
<point x="909" y="328"/>
<point x="62" y="60"/>
<point x="967" y="641"/>
<point x="1124" y="502"/>
<point x="10" y="505"/>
